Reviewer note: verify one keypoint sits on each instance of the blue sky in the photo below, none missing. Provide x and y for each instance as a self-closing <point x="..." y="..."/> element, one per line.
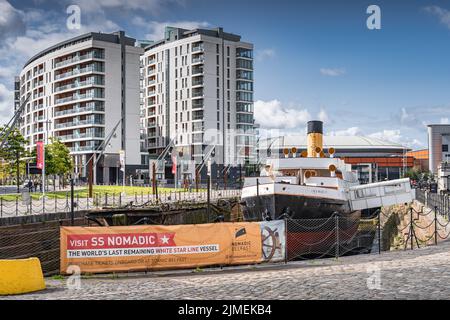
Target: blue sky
<point x="313" y="59"/>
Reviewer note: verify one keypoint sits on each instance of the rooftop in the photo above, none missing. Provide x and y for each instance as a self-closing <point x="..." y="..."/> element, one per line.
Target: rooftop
<point x="106" y="37"/>
<point x="173" y="34"/>
<point x="337" y="142"/>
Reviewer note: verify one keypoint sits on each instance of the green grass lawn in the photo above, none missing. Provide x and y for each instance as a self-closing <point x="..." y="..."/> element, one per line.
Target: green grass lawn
<point x="99" y="190"/>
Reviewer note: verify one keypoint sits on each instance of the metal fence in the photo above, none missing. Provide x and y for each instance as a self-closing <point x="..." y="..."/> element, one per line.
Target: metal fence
<point x="62" y="203"/>
<point x="333" y="237"/>
<point x="434" y="201"/>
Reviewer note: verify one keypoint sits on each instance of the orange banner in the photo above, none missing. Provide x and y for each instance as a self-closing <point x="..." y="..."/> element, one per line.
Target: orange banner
<point x="134" y="248"/>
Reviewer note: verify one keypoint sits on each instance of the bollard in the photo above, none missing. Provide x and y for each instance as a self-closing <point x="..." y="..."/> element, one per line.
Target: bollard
<point x="435" y="226"/>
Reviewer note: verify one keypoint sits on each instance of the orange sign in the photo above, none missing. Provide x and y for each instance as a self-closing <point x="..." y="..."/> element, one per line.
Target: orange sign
<point x="133" y="248"/>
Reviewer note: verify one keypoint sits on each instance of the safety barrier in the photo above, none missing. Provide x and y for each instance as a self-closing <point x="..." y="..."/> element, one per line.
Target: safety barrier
<point x="21" y="276"/>
<point x="18" y="206"/>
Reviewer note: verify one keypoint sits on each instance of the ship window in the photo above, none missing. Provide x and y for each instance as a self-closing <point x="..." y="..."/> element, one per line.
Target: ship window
<point x="394" y="188"/>
<point x="366" y="193"/>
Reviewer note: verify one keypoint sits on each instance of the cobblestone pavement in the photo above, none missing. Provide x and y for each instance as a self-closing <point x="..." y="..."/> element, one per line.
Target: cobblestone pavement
<point x="419" y="274"/>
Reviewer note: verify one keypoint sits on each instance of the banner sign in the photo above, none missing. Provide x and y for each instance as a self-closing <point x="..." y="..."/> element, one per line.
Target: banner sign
<point x="133" y="248"/>
<point x="40" y="154"/>
<point x="122" y="160"/>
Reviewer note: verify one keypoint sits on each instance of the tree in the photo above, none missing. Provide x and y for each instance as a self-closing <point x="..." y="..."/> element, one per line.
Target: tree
<point x="58" y="161"/>
<point x="13" y="151"/>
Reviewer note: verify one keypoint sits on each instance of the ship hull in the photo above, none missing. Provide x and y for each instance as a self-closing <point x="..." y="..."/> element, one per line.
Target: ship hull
<point x="279" y="206"/>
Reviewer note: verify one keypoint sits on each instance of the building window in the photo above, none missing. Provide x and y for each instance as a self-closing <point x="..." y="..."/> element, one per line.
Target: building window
<point x="445" y="148"/>
<point x="217" y="48"/>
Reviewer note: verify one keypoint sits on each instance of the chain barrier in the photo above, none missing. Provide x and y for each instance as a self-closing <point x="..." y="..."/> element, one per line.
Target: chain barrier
<point x="16" y="206"/>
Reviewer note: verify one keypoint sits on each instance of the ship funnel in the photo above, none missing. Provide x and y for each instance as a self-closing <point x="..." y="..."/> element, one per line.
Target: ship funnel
<point x="315" y="142"/>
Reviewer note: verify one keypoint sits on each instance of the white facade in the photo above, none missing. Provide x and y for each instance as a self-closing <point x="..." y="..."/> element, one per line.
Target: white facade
<point x="79" y="92"/>
<point x="198" y="92"/>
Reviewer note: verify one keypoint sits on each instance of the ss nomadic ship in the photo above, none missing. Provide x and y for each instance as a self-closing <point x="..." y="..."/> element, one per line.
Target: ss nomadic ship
<point x="316" y="185"/>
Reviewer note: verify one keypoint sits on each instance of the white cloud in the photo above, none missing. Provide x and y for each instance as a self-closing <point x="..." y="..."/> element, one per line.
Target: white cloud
<point x="271" y="115"/>
<point x="335" y="72"/>
<point x="11" y="23"/>
<point x="264" y="54"/>
<point x="445" y="121"/>
<point x="387" y="135"/>
<point x="323" y="116"/>
<point x="153" y="7"/>
<point x="352" y="131"/>
<point x="442" y="14"/>
<point x="6" y="101"/>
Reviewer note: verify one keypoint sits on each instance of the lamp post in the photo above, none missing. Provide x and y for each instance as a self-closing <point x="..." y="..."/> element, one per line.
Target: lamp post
<point x="47" y="122"/>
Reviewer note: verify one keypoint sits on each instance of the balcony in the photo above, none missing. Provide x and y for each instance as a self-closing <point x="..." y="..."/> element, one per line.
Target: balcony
<point x="87" y="108"/>
<point x="38" y="84"/>
<point x="38" y="107"/>
<point x="151" y="82"/>
<point x="198" y="104"/>
<point x="39" y="118"/>
<point x="84" y="135"/>
<point x="197" y="93"/>
<point x="196" y="82"/>
<point x="38" y="95"/>
<point x="198" y="59"/>
<point x="82" y="148"/>
<point x="78" y="84"/>
<point x="152" y="124"/>
<point x="87" y="95"/>
<point x="196" y="71"/>
<point x="197" y="115"/>
<point x="77" y="58"/>
<point x="79" y="123"/>
<point x="151" y="72"/>
<point x="152" y="61"/>
<point x="76" y="71"/>
<point x="198" y="48"/>
<point x="151" y="92"/>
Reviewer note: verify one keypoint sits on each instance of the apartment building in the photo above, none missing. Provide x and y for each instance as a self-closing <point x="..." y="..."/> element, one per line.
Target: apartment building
<point x="81" y="89"/>
<point x="198" y="95"/>
<point x="438" y="145"/>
